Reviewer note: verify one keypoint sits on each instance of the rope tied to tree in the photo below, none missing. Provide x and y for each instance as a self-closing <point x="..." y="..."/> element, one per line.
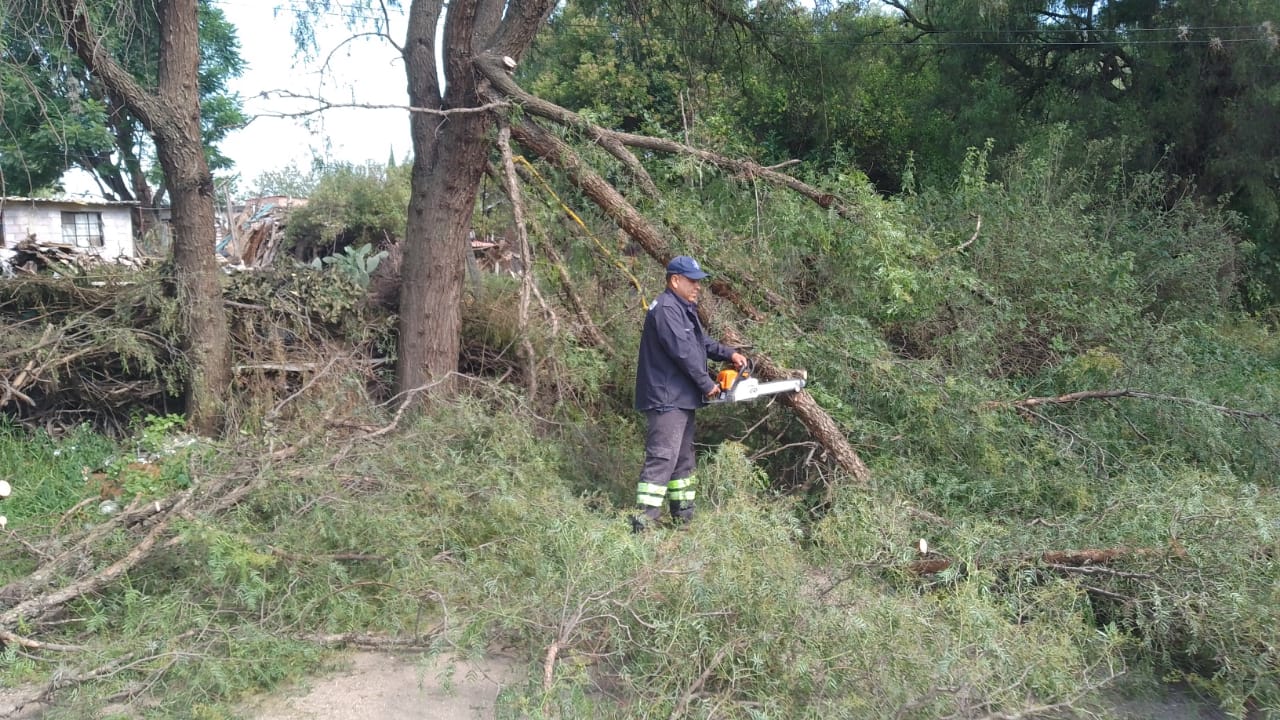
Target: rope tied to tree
<point x="609" y="255"/>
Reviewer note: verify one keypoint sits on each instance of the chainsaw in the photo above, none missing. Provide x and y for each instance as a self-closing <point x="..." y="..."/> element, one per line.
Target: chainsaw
<point x="739" y="386"/>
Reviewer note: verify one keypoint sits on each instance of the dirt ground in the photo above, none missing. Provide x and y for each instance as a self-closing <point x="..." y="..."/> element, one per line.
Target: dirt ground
<point x="381" y="686"/>
<point x="368" y="686"/>
<point x="390" y="687"/>
<point x="393" y="687"/>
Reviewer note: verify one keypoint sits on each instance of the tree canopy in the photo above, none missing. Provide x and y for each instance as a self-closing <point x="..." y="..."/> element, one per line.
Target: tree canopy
<point x="904" y="89"/>
<point x="57" y="115"/>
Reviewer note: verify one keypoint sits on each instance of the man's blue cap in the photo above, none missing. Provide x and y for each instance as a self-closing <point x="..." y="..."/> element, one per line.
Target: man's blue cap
<point x="686" y="266"/>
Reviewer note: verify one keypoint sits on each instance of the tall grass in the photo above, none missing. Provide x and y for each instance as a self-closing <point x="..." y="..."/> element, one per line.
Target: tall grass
<point x="499" y="519"/>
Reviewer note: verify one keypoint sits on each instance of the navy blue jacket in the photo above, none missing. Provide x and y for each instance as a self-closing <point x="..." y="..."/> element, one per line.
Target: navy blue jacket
<point x="672" y="368"/>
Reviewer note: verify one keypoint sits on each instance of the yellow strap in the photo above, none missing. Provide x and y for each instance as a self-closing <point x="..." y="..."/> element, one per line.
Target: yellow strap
<point x="574" y="216"/>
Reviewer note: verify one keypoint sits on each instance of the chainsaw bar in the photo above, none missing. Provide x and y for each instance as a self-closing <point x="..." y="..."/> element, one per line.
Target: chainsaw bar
<point x="750" y="388"/>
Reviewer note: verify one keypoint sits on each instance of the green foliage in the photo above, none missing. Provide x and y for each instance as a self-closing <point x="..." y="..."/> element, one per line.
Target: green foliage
<point x="467" y="527"/>
<point x="616" y="63"/>
<point x="1071" y="254"/>
<point x="110" y="327"/>
<point x="356" y="263"/>
<point x="39" y="130"/>
<point x="736" y="602"/>
<point x="777" y="80"/>
<point x="350" y="205"/>
<point x="156" y="431"/>
<point x="55" y="111"/>
<point x="1054" y="266"/>
<point x="299" y="294"/>
<point x="1153" y="73"/>
<point x="47" y="475"/>
<point x="221" y="110"/>
<point x="848" y="83"/>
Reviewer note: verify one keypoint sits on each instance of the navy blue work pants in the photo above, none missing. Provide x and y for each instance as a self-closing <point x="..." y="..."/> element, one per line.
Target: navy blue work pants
<point x="669" y="463"/>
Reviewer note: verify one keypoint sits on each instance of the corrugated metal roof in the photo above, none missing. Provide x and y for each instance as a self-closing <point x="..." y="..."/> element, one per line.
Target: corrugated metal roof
<point x="94" y="202"/>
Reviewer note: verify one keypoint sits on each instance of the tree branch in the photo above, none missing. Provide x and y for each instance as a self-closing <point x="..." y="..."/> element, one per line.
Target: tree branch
<point x="1086" y="562"/>
<point x="323" y="105"/>
<point x="501" y="79"/>
<point x="523" y="20"/>
<point x="526" y="257"/>
<point x="587" y="328"/>
<point x="1028" y="403"/>
<point x="93" y="50"/>
<point x="607" y="198"/>
<point x="8" y="638"/>
<point x="611" y="140"/>
<point x="37" y="607"/>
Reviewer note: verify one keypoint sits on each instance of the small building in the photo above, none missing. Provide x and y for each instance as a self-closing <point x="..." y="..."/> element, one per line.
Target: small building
<point x="85" y="227"/>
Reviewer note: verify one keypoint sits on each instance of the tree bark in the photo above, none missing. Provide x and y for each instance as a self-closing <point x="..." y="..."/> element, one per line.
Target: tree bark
<point x="450" y="156"/>
<point x="172" y="115"/>
<point x="616" y="143"/>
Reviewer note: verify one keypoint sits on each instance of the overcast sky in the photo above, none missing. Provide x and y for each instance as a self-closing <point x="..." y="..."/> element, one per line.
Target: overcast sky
<point x="361" y="71"/>
<point x="365" y="70"/>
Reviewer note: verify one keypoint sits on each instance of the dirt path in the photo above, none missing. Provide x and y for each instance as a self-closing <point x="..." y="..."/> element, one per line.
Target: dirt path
<point x="392" y="687"/>
<point x="382" y="686"/>
<point x="368" y="686"/>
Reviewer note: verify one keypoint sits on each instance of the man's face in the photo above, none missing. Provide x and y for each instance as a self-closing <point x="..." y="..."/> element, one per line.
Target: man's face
<point x="685" y="288"/>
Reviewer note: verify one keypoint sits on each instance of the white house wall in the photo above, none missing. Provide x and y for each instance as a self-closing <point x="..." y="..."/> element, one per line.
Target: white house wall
<point x="22" y="218"/>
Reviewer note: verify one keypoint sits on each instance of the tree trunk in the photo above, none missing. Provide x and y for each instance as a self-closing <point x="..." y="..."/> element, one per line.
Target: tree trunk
<point x="172" y="116"/>
<point x="444" y="184"/>
<point x="180" y="148"/>
<point x="198" y="283"/>
<point x="448" y="161"/>
<point x="450" y="145"/>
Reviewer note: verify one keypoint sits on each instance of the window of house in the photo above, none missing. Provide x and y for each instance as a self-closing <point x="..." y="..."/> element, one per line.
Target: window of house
<point x="82" y="229"/>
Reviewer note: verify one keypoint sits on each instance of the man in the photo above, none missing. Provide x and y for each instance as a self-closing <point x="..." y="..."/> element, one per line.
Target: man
<point x="672" y="381"/>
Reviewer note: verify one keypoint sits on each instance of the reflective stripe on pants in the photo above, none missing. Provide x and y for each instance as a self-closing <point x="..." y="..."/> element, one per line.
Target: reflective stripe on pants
<point x="648" y="495"/>
<point x="682" y="489"/>
<point x="669" y="460"/>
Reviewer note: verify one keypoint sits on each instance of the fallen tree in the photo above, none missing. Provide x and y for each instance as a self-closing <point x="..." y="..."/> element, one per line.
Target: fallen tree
<point x="560" y="155"/>
<point x="1034" y="402"/>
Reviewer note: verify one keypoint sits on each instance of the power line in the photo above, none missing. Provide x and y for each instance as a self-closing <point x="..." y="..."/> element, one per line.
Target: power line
<point x="1181" y="31"/>
<point x="1044" y="43"/>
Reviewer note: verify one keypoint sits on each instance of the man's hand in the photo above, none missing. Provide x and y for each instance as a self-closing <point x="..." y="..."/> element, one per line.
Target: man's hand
<point x="713" y="392"/>
<point x="739" y="360"/>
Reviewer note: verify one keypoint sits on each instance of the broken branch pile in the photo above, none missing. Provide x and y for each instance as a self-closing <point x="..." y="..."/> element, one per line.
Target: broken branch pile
<point x="85" y="346"/>
<point x="31" y="256"/>
<point x="101" y="347"/>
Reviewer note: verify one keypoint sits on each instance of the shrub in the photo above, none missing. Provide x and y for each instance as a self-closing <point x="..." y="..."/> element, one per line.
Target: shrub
<point x="351" y="205"/>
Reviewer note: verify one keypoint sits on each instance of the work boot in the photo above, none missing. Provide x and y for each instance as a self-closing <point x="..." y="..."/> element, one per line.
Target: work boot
<point x="681" y="513"/>
<point x="647" y="518"/>
<point x="638" y="524"/>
